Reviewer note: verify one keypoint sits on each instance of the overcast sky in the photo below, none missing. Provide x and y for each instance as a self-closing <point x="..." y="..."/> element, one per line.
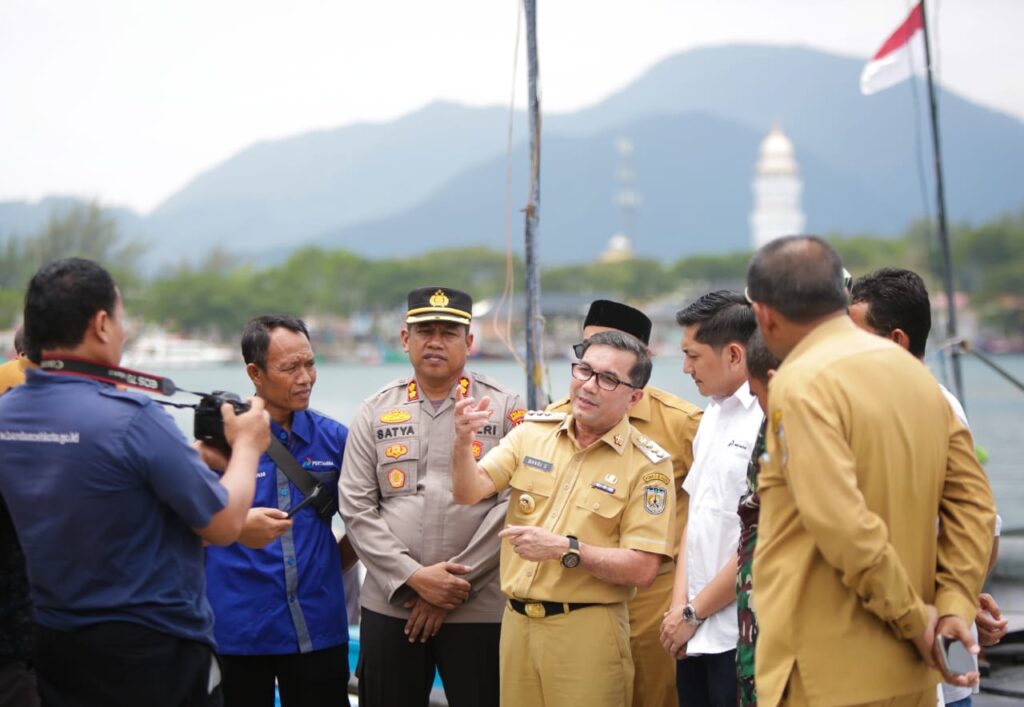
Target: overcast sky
<point x="126" y="100"/>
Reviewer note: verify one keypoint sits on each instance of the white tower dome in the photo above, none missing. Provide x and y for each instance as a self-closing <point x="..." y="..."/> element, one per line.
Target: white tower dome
<point x="777" y="188"/>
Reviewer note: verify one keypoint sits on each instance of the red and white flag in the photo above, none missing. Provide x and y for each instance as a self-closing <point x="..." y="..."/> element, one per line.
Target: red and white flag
<point x="899" y="58"/>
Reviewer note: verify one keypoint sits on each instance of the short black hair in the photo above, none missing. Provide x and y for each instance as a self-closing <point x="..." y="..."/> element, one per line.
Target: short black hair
<point x="256" y="336"/>
<point x="62" y="298"/>
<point x="724" y="317"/>
<point x="759" y="359"/>
<point x="640" y="372"/>
<point x="801" y="277"/>
<point x="897" y="299"/>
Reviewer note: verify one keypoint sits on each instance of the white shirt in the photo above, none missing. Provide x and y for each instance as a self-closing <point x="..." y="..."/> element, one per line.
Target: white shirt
<point x="953" y="693"/>
<point x="718" y="478"/>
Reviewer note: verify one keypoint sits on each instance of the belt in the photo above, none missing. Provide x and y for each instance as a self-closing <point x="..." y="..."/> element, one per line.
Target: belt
<point x="540" y="609"/>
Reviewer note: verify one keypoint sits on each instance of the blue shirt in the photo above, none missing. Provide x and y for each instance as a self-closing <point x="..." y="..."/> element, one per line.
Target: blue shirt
<point x="287" y="597"/>
<point x="104" y="492"/>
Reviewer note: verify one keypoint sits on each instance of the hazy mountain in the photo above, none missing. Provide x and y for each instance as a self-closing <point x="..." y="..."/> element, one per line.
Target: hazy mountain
<point x="437" y="176"/>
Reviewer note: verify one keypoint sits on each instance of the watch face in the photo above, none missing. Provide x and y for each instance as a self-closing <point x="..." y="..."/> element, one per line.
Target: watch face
<point x="570" y="560"/>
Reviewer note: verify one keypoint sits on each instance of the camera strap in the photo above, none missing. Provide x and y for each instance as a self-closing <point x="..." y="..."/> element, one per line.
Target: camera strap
<point x="291" y="468"/>
<point x="85" y="368"/>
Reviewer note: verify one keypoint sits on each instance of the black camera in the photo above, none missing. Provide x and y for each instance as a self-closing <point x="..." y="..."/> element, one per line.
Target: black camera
<point x="208" y="426"/>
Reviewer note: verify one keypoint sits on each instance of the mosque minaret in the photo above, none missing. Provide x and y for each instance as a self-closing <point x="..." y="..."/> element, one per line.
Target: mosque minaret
<point x="777" y="188"/>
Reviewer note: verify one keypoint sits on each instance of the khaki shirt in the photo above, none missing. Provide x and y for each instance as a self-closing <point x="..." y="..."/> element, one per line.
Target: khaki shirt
<point x="395" y="496"/>
<point x="863" y="455"/>
<point x="671" y="422"/>
<point x="617" y="492"/>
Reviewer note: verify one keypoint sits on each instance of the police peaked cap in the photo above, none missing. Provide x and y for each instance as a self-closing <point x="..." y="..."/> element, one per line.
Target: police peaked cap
<point x="616" y="315"/>
<point x="444" y="304"/>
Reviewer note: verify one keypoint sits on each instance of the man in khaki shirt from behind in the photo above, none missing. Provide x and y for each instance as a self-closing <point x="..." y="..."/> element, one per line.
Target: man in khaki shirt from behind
<point x="863" y="454"/>
<point x="671" y="422"/>
<point x="589" y="519"/>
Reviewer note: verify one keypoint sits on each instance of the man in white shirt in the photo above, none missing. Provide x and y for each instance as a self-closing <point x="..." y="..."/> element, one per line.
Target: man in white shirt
<point x="700" y="628"/>
<point x="894" y="303"/>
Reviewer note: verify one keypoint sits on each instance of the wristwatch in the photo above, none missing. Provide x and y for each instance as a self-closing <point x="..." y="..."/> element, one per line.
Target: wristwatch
<point x="690" y="615"/>
<point x="571" y="557"/>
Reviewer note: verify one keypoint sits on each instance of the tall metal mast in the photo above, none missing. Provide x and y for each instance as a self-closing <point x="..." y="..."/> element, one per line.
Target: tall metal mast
<point x="534" y="370"/>
<point x="947" y="259"/>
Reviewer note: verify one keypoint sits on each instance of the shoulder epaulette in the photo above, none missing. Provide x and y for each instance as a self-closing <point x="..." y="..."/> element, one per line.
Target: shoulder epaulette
<point x="673" y="401"/>
<point x="397" y="383"/>
<point x="544" y="416"/>
<point x="649" y="448"/>
<point x="560" y="404"/>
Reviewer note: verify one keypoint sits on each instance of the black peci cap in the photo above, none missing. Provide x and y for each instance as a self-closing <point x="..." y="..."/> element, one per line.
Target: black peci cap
<point x="616" y="315"/>
<point x="431" y="304"/>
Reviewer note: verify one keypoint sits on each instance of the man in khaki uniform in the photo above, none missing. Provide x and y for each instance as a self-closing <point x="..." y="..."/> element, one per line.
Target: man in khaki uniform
<point x="863" y="454"/>
<point x="590" y="518"/>
<point x="431" y="595"/>
<point x="671" y="422"/>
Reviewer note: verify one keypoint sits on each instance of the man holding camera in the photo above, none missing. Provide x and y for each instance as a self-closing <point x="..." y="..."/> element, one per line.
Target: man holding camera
<point x="278" y="593"/>
<point x="431" y="595"/>
<point x="112" y="507"/>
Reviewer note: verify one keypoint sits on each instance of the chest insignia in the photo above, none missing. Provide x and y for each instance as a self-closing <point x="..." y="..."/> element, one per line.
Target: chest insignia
<point x="619" y="440"/>
<point x="395" y="416"/>
<point x="478" y="449"/>
<point x="611" y="479"/>
<point x="396" y="479"/>
<point x="603" y="487"/>
<point x="396" y="451"/>
<point x="655" y="498"/>
<point x="392" y="432"/>
<point x="517" y="416"/>
<point x="538" y="464"/>
<point x="526" y="504"/>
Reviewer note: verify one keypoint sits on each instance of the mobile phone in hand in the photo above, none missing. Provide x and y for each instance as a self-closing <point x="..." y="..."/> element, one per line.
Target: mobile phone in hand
<point x="956" y="659"/>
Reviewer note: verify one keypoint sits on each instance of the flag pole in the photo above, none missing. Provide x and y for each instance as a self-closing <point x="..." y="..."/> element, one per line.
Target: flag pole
<point x="947" y="259"/>
<point x="534" y="372"/>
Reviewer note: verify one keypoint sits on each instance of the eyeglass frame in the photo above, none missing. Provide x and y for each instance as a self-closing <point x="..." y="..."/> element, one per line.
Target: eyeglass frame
<point x="573" y="366"/>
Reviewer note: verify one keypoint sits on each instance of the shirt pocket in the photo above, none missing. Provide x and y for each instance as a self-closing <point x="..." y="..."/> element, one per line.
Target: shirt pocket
<point x="398" y="467"/>
<point x="531" y="495"/>
<point x="598" y="516"/>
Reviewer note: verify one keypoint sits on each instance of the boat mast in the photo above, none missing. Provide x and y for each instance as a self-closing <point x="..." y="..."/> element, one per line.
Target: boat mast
<point x="534" y="371"/>
<point x="947" y="259"/>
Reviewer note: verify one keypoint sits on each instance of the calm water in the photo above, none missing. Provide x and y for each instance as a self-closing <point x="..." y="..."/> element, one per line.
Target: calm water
<point x="995" y="407"/>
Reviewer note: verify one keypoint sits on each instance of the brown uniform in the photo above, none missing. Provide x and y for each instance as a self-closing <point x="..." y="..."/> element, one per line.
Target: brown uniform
<point x="618" y="492"/>
<point x="671" y="422"/>
<point x="863" y="453"/>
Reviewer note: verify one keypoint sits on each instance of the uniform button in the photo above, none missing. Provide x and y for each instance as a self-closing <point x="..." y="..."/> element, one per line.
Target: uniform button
<point x="283" y="435"/>
<point x="291" y="560"/>
<point x="529" y="487"/>
<point x="529" y="573"/>
<point x="566" y="487"/>
<point x="596" y="506"/>
<point x="291" y="598"/>
<point x="284" y="492"/>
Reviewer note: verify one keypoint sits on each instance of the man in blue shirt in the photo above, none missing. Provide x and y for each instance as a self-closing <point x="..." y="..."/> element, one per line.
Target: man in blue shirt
<point x="278" y="594"/>
<point x="112" y="505"/>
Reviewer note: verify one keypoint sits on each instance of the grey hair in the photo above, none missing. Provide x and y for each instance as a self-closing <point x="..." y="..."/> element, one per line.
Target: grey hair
<point x="640" y="373"/>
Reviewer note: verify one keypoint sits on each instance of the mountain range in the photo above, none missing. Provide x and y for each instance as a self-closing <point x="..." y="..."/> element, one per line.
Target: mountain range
<point x="437" y="177"/>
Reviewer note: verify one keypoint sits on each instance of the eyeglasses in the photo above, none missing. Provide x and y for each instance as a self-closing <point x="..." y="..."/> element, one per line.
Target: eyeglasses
<point x="605" y="381"/>
<point x="746" y="295"/>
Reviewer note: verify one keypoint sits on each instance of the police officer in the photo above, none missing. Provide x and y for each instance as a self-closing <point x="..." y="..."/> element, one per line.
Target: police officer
<point x="863" y="454"/>
<point x="590" y="519"/>
<point x="112" y="507"/>
<point x="431" y="596"/>
<point x="278" y="593"/>
<point x="672" y="423"/>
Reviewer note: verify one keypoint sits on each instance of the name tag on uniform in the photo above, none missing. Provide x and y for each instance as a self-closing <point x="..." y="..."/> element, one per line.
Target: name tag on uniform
<point x="538" y="464"/>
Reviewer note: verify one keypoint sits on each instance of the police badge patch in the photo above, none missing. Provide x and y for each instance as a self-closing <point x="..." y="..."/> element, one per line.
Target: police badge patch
<point x="655" y="498"/>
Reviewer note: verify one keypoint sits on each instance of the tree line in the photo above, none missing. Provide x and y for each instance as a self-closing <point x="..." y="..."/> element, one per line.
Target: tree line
<point x="217" y="294"/>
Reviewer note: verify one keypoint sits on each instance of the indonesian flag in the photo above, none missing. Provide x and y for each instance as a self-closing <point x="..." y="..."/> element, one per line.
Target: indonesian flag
<point x="900" y="56"/>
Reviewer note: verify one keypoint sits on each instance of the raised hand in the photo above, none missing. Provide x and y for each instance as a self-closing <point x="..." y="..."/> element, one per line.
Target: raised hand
<point x="470" y="416"/>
